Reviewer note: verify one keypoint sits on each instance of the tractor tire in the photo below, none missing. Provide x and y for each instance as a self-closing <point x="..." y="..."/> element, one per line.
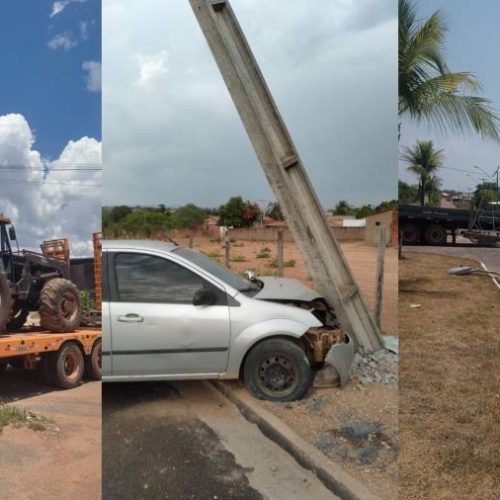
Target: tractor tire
<point x="93" y="363"/>
<point x="60" y="308"/>
<point x="17" y="319"/>
<point x="5" y="303"/>
<point x="277" y="370"/>
<point x="435" y="234"/>
<point x="66" y="366"/>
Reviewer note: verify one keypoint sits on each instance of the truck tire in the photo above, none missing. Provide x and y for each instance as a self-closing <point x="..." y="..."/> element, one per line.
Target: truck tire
<point x="66" y="366"/>
<point x="93" y="362"/>
<point x="411" y="234"/>
<point x="60" y="308"/>
<point x="277" y="370"/>
<point x="5" y="302"/>
<point x="3" y="366"/>
<point x="435" y="234"/>
<point x="17" y="319"/>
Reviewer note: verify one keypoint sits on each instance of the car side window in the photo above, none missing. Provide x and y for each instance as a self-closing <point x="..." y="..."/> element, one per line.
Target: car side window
<point x="150" y="279"/>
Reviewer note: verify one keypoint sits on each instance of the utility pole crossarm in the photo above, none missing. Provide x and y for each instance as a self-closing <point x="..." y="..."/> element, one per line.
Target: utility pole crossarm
<point x="284" y="170"/>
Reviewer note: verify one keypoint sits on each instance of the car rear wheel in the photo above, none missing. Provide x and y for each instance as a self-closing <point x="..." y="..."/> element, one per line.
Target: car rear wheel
<point x="277" y="370"/>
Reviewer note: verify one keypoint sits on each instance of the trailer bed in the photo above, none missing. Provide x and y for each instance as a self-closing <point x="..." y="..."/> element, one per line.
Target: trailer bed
<point x="38" y="341"/>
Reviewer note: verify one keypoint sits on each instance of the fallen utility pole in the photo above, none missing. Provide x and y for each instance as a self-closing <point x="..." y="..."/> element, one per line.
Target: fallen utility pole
<point x="284" y="170"/>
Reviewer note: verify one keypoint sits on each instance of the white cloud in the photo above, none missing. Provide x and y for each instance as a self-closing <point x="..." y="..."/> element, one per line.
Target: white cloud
<point x="45" y="203"/>
<point x="59" y="6"/>
<point x="84" y="30"/>
<point x="93" y="75"/>
<point x="62" y="41"/>
<point x="151" y="68"/>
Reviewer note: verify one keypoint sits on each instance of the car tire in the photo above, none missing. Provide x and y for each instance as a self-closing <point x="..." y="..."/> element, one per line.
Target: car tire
<point x="277" y="370"/>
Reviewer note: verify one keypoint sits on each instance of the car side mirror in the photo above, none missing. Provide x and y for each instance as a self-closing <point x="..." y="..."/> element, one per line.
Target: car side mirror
<point x="204" y="298"/>
<point x="12" y="234"/>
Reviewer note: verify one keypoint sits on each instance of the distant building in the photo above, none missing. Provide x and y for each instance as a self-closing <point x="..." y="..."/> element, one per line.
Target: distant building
<point x="388" y="219"/>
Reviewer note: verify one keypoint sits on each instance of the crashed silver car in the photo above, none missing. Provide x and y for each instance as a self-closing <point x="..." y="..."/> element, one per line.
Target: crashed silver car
<point x="171" y="313"/>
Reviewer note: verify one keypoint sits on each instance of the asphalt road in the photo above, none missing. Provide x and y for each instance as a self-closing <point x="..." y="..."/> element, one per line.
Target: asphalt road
<point x="185" y="441"/>
<point x="488" y="255"/>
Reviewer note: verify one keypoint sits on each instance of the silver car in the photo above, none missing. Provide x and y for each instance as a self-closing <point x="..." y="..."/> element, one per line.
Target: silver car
<point x="171" y="313"/>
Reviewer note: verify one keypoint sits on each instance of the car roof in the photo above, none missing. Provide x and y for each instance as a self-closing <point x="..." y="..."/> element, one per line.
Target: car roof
<point x="163" y="246"/>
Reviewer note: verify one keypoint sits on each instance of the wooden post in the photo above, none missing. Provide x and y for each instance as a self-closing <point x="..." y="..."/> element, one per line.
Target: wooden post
<point x="227" y="248"/>
<point x="379" y="280"/>
<point x="280" y="252"/>
<point x="190" y="240"/>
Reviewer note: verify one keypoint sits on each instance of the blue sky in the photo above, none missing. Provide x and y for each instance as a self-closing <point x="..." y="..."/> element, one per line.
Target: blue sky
<point x="50" y="120"/>
<point x="471" y="45"/>
<point x="47" y="85"/>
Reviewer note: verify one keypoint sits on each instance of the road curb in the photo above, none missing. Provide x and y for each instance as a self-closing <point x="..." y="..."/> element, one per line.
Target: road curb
<point x="334" y="477"/>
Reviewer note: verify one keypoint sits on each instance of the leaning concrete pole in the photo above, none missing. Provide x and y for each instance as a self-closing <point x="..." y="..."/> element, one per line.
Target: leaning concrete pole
<point x="284" y="171"/>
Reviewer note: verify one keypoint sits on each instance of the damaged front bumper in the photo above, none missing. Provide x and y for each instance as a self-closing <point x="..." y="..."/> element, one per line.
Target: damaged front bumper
<point x="335" y="349"/>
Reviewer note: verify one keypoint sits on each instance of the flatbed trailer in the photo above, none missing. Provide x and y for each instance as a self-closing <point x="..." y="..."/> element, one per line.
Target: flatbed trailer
<point x="61" y="359"/>
<point x="431" y="225"/>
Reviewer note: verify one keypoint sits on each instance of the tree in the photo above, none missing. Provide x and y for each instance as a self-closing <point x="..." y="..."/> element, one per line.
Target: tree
<point x="238" y="213"/>
<point x="117" y="214"/>
<point x="485" y="193"/>
<point x="273" y="210"/>
<point x="423" y="160"/>
<point x="428" y="91"/>
<point x="363" y="211"/>
<point x="146" y="221"/>
<point x="343" y="208"/>
<point x="188" y="216"/>
<point x="408" y="193"/>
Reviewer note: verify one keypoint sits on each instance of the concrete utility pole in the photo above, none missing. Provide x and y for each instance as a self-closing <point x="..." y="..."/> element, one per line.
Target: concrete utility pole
<point x="284" y="171"/>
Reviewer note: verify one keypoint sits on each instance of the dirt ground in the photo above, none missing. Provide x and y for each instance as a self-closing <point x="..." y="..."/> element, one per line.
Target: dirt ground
<point x="449" y="406"/>
<point x="360" y="256"/>
<point x="63" y="460"/>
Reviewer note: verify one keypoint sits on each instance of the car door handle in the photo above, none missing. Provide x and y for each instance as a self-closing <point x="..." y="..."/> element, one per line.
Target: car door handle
<point x="130" y="318"/>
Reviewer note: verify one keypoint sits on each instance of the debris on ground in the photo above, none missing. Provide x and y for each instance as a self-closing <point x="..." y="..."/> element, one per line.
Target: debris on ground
<point x="379" y="367"/>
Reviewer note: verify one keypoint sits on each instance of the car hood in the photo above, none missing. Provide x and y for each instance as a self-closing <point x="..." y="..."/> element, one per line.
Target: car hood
<point x="285" y="289"/>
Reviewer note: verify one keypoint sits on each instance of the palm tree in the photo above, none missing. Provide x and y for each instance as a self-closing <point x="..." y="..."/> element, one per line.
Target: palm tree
<point x="428" y="91"/>
<point x="423" y="160"/>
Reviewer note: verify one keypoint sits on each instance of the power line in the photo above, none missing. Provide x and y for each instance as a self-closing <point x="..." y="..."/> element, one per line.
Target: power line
<point x="60" y="167"/>
<point x="18" y="181"/>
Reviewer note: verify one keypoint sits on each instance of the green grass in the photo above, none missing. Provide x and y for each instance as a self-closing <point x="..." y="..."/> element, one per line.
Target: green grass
<point x="238" y="258"/>
<point x="10" y="415"/>
<point x="263" y="254"/>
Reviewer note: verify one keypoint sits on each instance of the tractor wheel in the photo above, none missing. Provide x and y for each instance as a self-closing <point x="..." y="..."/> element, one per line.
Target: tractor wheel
<point x="17" y="319"/>
<point x="60" y="309"/>
<point x="5" y="302"/>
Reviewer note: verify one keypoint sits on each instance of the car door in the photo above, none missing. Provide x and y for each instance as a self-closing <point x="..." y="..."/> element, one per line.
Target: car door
<point x="156" y="330"/>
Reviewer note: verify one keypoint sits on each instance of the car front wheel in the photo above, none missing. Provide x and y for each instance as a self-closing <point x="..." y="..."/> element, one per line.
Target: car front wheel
<point x="277" y="370"/>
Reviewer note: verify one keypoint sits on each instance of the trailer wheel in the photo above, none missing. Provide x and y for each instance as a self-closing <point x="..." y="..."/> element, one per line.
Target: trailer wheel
<point x="93" y="363"/>
<point x="435" y="234"/>
<point x="60" y="309"/>
<point x="5" y="302"/>
<point x="277" y="370"/>
<point x="411" y="234"/>
<point x="66" y="366"/>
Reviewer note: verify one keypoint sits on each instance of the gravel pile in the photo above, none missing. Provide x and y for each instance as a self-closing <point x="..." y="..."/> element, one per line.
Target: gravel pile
<point x="379" y="367"/>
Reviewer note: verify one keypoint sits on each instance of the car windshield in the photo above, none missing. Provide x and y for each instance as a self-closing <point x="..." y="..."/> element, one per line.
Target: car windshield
<point x="232" y="279"/>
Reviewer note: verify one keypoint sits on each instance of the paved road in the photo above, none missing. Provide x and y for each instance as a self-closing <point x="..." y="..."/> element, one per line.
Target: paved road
<point x="490" y="256"/>
<point x="185" y="441"/>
